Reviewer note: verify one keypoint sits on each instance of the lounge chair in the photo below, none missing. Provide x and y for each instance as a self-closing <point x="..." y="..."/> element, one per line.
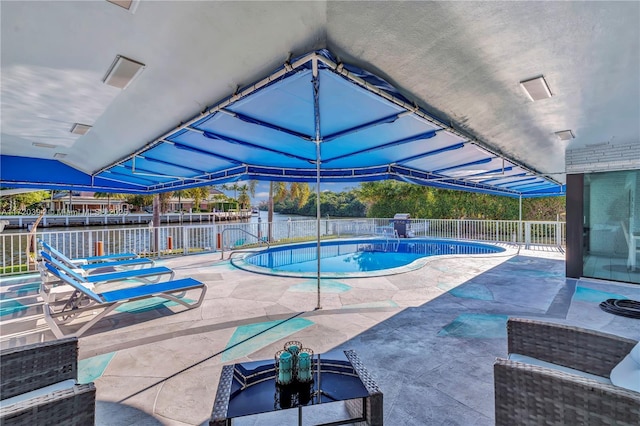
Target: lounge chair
<point x="85" y="299"/>
<point x="558" y="374"/>
<point x="137" y="262"/>
<point x="52" y="288"/>
<point x="39" y="386"/>
<point x="141" y="274"/>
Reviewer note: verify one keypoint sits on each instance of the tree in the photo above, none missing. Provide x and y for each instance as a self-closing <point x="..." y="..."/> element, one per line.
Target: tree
<point x="277" y="191"/>
<point x="140" y="201"/>
<point x="164" y="198"/>
<point x="244" y="200"/>
<point x="299" y="192"/>
<point x="386" y="198"/>
<point x="181" y="193"/>
<point x="235" y="187"/>
<point x="22" y="201"/>
<point x="198" y="194"/>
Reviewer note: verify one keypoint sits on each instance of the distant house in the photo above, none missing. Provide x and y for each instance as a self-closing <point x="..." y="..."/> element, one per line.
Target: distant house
<point x="84" y="202"/>
<point x="187" y="204"/>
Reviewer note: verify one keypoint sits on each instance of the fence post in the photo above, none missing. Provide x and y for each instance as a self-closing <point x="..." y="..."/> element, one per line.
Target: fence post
<point x="520" y="223"/>
<point x="185" y="240"/>
<point x="527" y="234"/>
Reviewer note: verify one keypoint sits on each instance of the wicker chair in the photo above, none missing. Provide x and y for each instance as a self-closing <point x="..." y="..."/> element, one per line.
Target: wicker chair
<point x="33" y="367"/>
<point x="528" y="394"/>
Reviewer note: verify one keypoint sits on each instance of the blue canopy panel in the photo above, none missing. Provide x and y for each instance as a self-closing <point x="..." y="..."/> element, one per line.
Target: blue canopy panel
<point x="38" y="173"/>
<point x="365" y="129"/>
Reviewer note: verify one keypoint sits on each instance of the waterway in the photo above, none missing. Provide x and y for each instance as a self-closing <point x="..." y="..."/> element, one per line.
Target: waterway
<point x="257" y="218"/>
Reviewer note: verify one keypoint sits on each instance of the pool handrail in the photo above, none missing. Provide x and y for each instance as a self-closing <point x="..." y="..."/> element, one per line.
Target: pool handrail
<point x="260" y="241"/>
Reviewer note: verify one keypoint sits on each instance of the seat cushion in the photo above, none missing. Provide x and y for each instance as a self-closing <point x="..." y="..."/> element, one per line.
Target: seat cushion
<point x="534" y="361"/>
<point x="627" y="373"/>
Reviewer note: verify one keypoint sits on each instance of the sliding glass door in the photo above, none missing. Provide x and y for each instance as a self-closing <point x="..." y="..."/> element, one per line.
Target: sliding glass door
<point x="612" y="226"/>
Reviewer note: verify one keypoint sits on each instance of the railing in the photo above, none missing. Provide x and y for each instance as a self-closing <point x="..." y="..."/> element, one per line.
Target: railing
<point x="184" y="239"/>
<point x="91" y="219"/>
<point x="260" y="240"/>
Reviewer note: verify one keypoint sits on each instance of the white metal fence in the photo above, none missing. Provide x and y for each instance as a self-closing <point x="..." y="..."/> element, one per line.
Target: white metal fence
<point x="188" y="239"/>
<point x="142" y="219"/>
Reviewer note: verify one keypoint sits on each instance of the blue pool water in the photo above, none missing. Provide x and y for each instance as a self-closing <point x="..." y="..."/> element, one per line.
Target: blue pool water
<point x="362" y="257"/>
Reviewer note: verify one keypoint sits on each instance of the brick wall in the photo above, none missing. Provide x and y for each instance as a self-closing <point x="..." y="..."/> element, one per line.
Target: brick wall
<point x="603" y="157"/>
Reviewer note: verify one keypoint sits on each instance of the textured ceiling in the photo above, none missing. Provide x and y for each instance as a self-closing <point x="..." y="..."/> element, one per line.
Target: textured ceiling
<point x="460" y="61"/>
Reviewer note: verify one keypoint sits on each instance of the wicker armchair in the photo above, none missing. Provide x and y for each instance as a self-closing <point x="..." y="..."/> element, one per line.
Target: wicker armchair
<point x="33" y="367"/>
<point x="527" y="394"/>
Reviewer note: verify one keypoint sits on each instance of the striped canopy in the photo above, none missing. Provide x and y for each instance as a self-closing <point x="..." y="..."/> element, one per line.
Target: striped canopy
<point x="312" y="120"/>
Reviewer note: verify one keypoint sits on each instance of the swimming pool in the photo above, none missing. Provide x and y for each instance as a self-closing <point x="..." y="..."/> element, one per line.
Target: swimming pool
<point x="356" y="258"/>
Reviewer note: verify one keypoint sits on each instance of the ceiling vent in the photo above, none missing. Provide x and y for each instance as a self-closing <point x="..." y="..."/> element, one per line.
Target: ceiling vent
<point x="565" y="135"/>
<point x="80" y="129"/>
<point x="129" y="5"/>
<point x="122" y="3"/>
<point x="43" y="145"/>
<point x="536" y="88"/>
<point x="122" y="72"/>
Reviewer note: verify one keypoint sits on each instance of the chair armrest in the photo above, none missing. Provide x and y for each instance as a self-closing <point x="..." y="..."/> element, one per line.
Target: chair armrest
<point x="528" y="394"/>
<point x="585" y="350"/>
<point x="30" y="367"/>
<point x="72" y="407"/>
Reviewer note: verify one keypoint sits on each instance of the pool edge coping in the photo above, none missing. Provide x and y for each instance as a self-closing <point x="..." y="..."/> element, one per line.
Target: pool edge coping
<point x="240" y="263"/>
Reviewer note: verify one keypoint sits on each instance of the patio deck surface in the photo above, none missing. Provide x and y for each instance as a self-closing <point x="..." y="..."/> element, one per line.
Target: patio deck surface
<point x="429" y="337"/>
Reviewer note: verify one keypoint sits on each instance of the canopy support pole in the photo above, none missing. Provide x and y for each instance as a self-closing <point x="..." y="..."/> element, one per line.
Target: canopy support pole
<point x="316" y="114"/>
<point x="520" y="217"/>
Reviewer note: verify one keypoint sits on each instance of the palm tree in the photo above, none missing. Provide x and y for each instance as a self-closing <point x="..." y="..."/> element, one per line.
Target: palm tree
<point x="198" y="194"/>
<point x="277" y="192"/>
<point x="245" y="190"/>
<point x="244" y="200"/>
<point x="164" y="200"/>
<point x="180" y="194"/>
<point x="299" y="192"/>
<point x="235" y="187"/>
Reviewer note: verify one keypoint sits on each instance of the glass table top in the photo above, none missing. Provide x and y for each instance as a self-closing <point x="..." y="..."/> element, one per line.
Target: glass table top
<point x="254" y="389"/>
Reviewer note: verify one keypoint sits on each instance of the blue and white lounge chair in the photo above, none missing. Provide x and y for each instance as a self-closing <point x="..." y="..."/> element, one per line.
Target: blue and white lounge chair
<point x="52" y="288"/>
<point x="85" y="299"/>
<point x="123" y="263"/>
<point x="97" y="259"/>
<point x="145" y="274"/>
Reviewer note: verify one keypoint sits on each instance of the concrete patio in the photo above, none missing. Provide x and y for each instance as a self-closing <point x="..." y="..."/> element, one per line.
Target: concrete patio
<point x="429" y="337"/>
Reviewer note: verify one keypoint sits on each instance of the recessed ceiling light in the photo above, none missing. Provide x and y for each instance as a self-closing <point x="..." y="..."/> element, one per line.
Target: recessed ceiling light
<point x="565" y="135"/>
<point x="43" y="145"/>
<point x="80" y="129"/>
<point x="122" y="72"/>
<point x="536" y="88"/>
<point x="59" y="155"/>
